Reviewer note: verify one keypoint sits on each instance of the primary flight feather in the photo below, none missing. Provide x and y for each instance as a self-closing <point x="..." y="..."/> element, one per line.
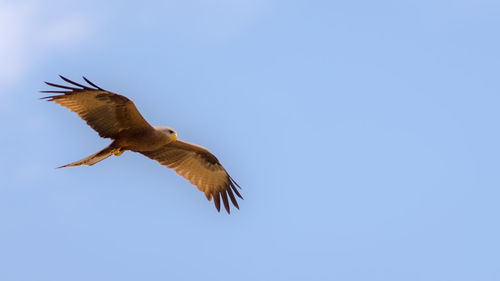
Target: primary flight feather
<point x="116" y="117"/>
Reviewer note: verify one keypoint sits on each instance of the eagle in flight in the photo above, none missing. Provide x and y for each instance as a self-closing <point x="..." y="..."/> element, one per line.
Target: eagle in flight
<point x="116" y="117"/>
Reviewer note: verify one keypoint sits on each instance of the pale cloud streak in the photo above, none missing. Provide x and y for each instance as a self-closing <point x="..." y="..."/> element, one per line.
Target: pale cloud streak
<point x="26" y="35"/>
<point x="14" y="28"/>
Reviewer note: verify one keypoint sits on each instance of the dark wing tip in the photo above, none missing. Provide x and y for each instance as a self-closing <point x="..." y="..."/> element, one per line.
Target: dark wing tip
<point x="233" y="181"/>
<point x="92" y="84"/>
<point x="217" y="201"/>
<point x="233" y="199"/>
<point x="233" y="187"/>
<point x="60" y="86"/>
<point x="47" y="98"/>
<point x="74" y="83"/>
<point x="71" y="88"/>
<point x="55" y="92"/>
<point x="52" y="98"/>
<point x="225" y="201"/>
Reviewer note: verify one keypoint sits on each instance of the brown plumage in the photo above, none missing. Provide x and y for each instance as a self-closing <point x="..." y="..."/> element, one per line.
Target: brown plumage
<point x="116" y="117"/>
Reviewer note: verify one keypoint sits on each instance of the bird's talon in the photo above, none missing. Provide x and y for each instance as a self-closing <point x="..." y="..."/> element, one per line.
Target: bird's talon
<point x="117" y="151"/>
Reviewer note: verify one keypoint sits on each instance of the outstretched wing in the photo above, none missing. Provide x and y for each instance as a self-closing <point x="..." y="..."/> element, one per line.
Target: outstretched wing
<point x="106" y="112"/>
<point x="201" y="168"/>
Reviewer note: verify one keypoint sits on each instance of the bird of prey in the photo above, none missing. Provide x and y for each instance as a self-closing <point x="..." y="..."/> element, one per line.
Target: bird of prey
<point x="116" y="117"/>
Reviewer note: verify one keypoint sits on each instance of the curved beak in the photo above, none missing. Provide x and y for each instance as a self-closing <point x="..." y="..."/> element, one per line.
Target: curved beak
<point x="174" y="136"/>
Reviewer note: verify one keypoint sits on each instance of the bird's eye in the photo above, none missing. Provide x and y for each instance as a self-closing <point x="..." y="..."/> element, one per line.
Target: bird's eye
<point x="170" y="131"/>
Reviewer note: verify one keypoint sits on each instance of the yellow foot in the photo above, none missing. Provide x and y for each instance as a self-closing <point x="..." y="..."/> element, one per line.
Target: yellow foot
<point x="117" y="151"/>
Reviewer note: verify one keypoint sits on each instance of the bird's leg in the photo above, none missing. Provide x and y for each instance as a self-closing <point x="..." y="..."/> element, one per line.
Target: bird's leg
<point x="120" y="152"/>
<point x="117" y="151"/>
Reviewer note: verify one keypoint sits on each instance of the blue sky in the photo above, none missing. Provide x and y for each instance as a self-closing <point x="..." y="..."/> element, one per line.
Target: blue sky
<point x="364" y="134"/>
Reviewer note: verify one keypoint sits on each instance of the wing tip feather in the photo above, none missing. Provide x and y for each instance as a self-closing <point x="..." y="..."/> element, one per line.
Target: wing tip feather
<point x="233" y="199"/>
<point x="217" y="201"/>
<point x="74" y="83"/>
<point x="225" y="201"/>
<point x="92" y="84"/>
<point x="69" y="88"/>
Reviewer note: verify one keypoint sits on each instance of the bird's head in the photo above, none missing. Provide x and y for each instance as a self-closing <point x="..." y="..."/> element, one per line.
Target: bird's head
<point x="167" y="130"/>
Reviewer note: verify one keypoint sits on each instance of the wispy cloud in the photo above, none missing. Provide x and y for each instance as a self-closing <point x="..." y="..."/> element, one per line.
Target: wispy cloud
<point x="27" y="35"/>
<point x="14" y="30"/>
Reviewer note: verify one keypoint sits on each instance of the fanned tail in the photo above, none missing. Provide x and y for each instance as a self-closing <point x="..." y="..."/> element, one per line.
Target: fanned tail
<point x="92" y="159"/>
